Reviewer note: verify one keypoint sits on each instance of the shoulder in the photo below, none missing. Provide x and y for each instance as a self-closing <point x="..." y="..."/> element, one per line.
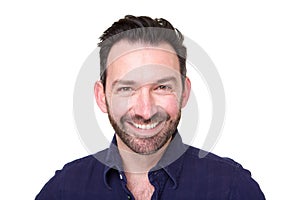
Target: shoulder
<point x="79" y="170"/>
<point x="198" y="156"/>
<point x="205" y="165"/>
<point x="73" y="178"/>
<point x="220" y="174"/>
<point x="85" y="164"/>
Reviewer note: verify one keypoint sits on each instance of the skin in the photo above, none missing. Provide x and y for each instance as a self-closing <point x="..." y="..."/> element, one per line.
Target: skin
<point x="144" y="94"/>
<point x="143" y="98"/>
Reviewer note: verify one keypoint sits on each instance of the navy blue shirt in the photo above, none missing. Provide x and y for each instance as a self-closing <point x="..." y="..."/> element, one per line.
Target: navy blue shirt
<point x="180" y="174"/>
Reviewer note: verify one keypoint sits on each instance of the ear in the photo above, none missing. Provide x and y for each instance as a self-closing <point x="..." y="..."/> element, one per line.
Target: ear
<point x="100" y="96"/>
<point x="186" y="92"/>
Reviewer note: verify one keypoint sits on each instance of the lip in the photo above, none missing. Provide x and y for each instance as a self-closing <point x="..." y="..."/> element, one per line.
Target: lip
<point x="145" y="126"/>
<point x="146" y="130"/>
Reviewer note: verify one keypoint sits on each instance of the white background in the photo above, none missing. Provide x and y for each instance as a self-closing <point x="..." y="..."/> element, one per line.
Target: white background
<point x="255" y="46"/>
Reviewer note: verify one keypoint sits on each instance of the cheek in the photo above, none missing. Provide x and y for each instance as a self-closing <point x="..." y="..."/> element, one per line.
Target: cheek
<point x="170" y="104"/>
<point x="118" y="107"/>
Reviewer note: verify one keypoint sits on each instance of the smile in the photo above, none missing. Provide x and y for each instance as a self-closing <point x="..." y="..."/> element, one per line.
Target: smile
<point x="146" y="127"/>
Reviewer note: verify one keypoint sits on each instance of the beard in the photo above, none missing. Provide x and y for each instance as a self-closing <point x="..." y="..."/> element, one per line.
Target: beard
<point x="141" y="144"/>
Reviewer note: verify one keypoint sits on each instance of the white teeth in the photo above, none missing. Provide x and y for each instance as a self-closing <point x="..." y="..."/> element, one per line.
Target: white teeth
<point x="146" y="127"/>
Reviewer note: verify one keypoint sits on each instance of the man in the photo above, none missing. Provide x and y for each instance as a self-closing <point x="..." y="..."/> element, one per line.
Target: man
<point x="143" y="86"/>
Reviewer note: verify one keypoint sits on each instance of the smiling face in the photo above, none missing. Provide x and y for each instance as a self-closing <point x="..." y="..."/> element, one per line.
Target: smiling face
<point x="143" y="95"/>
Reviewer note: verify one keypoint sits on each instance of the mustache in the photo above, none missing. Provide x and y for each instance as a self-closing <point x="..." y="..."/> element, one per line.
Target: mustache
<point x="157" y="117"/>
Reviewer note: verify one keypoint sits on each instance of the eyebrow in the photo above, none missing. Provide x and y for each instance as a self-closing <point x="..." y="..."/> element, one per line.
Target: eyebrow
<point x="131" y="82"/>
<point x="123" y="82"/>
<point x="167" y="79"/>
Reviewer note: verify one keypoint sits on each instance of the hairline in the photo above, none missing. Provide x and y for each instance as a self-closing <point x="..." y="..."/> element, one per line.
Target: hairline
<point x="152" y="45"/>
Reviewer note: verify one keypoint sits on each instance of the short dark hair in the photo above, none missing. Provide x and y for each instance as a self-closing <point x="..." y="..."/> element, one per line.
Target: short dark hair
<point x="141" y="29"/>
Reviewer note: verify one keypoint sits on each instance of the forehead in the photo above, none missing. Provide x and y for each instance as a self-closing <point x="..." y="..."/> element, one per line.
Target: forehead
<point x="126" y="56"/>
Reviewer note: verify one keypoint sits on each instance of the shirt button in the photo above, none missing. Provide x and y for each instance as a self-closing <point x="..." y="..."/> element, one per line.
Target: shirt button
<point x="128" y="197"/>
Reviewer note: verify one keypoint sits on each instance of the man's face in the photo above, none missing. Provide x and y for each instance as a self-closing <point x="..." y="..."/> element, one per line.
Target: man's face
<point x="143" y="95"/>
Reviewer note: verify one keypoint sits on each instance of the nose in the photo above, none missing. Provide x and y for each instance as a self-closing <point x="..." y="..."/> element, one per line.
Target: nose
<point x="144" y="105"/>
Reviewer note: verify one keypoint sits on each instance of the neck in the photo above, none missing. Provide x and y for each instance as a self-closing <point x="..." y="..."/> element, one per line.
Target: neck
<point x="138" y="163"/>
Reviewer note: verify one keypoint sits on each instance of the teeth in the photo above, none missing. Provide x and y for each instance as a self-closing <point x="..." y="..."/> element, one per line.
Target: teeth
<point x="146" y="127"/>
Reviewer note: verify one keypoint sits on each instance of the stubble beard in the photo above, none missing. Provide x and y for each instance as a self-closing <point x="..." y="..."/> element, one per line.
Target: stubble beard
<point x="146" y="145"/>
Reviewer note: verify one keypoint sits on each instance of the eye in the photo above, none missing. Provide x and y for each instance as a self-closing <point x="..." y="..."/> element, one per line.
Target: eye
<point x="124" y="89"/>
<point x="164" y="87"/>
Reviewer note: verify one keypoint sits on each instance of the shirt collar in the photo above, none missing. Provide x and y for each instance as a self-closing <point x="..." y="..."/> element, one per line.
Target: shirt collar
<point x="171" y="162"/>
<point x="172" y="159"/>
